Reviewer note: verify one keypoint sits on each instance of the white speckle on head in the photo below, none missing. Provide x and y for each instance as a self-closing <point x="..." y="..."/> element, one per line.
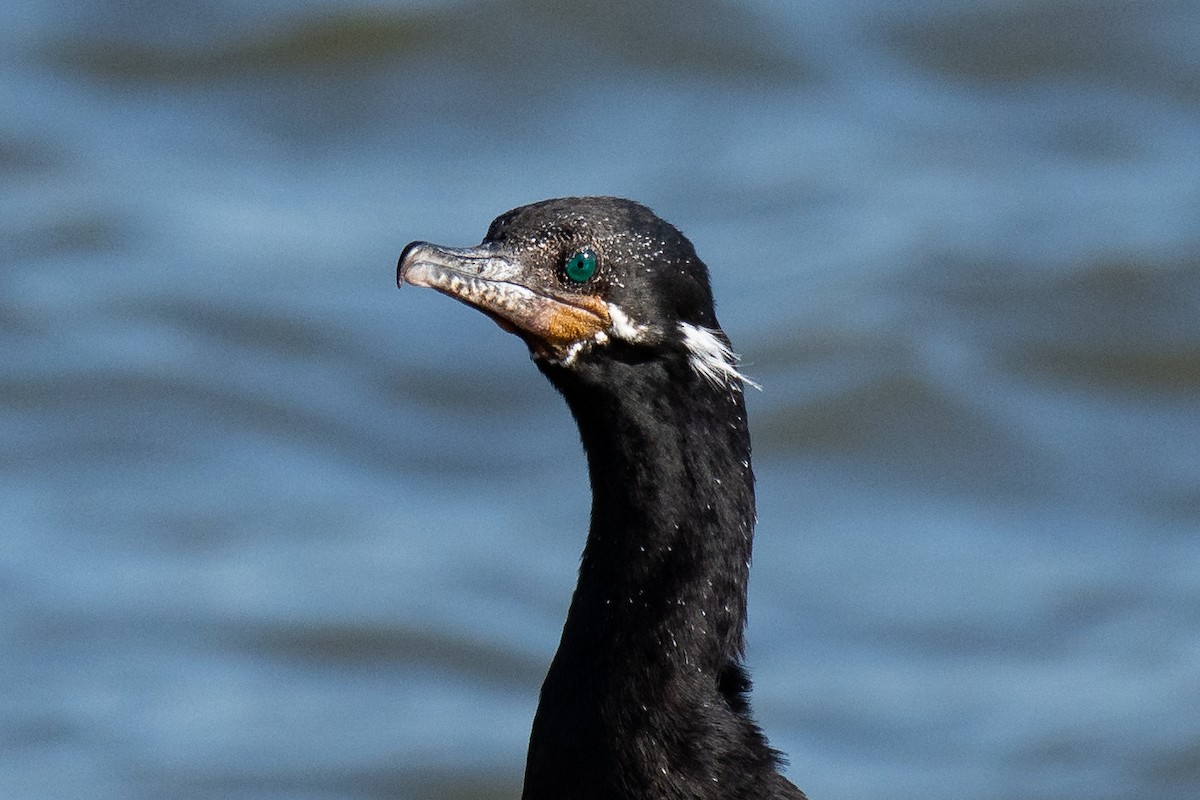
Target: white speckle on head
<point x="712" y="358"/>
<point x="573" y="351"/>
<point x="622" y="326"/>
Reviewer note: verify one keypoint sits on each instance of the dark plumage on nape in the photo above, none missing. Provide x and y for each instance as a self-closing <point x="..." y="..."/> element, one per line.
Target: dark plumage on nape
<point x="646" y="697"/>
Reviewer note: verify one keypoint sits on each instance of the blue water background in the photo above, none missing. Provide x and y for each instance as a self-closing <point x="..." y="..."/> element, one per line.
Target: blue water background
<point x="271" y="529"/>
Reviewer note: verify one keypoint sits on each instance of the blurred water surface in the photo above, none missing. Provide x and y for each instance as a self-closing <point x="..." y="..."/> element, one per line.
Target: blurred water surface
<point x="269" y="528"/>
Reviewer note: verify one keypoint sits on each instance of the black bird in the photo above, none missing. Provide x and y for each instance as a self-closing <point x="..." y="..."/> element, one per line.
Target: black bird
<point x="647" y="698"/>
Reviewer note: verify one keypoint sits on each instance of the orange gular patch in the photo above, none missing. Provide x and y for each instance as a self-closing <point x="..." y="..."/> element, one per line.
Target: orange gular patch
<point x="555" y="326"/>
<point x="571" y="323"/>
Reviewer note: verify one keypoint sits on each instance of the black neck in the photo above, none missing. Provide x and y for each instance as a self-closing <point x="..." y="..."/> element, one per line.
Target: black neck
<point x="655" y="626"/>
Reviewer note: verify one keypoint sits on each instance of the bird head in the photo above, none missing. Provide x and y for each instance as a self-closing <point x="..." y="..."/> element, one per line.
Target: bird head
<point x="575" y="277"/>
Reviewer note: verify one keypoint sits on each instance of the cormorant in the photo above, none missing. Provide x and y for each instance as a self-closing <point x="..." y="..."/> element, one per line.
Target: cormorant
<point x="646" y="698"/>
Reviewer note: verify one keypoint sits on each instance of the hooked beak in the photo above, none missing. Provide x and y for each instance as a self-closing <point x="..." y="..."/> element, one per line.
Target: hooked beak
<point x="500" y="285"/>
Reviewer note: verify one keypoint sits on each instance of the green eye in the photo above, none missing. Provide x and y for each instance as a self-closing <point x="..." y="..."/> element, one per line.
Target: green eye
<point x="581" y="267"/>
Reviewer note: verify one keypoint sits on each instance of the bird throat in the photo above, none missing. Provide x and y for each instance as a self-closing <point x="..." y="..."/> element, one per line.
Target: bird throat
<point x="657" y="617"/>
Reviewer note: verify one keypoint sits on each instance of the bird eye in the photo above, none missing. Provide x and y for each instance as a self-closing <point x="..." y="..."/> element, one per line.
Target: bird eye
<point x="581" y="267"/>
